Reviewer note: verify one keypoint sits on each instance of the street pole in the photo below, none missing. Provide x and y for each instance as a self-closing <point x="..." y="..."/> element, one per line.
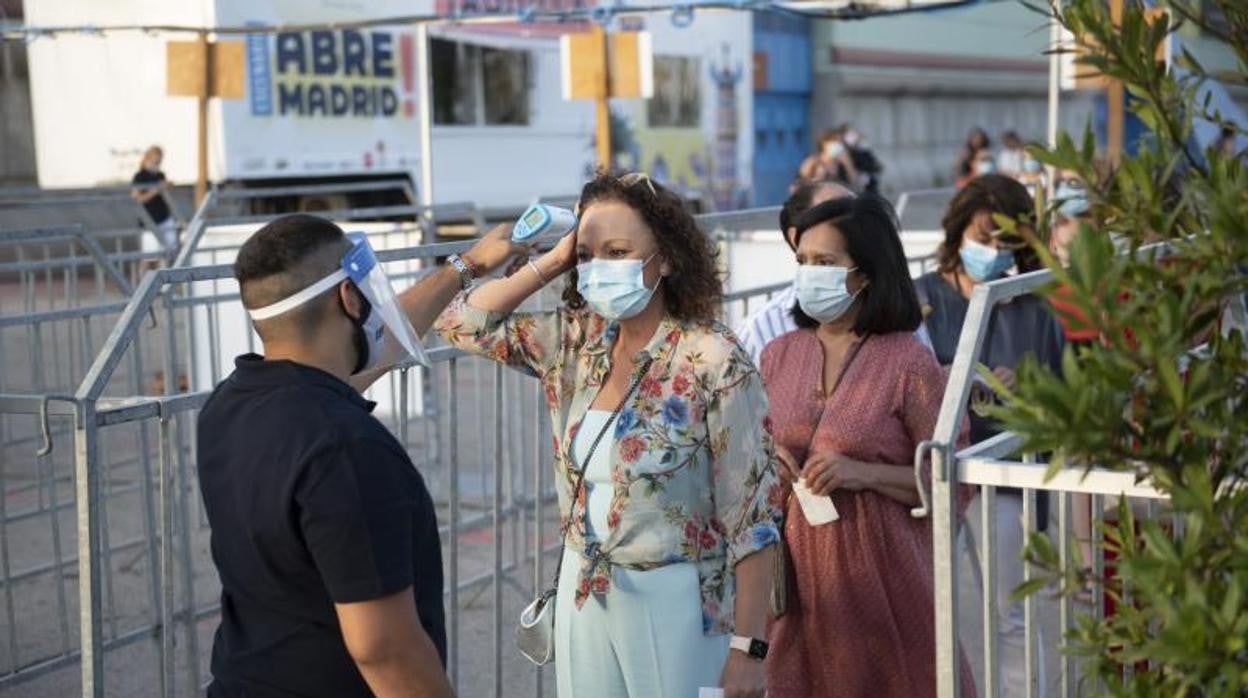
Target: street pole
<point x="201" y="99"/>
<point x="1116" y="99"/>
<point x="425" y="116"/>
<point x="1055" y="94"/>
<point x="603" y="102"/>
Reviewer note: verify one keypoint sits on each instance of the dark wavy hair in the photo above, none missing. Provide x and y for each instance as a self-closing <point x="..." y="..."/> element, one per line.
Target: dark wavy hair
<point x="990" y="193"/>
<point x="693" y="291"/>
<point x="869" y="226"/>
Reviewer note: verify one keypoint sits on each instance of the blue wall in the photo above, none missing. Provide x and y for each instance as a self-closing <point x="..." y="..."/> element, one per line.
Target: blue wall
<point x="782" y="108"/>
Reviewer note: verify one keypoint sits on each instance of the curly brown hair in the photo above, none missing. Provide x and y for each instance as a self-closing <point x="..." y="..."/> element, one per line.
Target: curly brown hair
<point x="693" y="290"/>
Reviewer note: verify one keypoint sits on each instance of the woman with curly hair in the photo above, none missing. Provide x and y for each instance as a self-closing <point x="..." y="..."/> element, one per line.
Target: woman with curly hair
<point x="664" y="469"/>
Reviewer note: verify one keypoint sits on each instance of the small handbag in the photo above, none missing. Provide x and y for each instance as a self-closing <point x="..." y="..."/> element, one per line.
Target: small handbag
<point x="535" y="634"/>
<point x="778" y="600"/>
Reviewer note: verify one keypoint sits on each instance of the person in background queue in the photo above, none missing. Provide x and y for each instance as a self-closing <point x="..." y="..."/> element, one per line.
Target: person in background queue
<point x="832" y="161"/>
<point x="860" y="594"/>
<point x="975" y="251"/>
<point x="670" y="524"/>
<point x="868" y="165"/>
<point x="775" y="317"/>
<point x="323" y="533"/>
<point x="148" y="187"/>
<point x="977" y="140"/>
<point x="1011" y="156"/>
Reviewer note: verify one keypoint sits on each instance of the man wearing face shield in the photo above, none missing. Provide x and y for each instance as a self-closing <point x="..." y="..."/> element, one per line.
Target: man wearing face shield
<point x="323" y="532"/>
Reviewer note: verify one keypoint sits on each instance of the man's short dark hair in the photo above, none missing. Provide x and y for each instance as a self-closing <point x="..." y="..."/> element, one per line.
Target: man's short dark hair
<point x="799" y="202"/>
<point x="869" y="226"/>
<point x="284" y="257"/>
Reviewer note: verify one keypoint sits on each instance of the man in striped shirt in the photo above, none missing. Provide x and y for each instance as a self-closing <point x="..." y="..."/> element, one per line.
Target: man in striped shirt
<point x="775" y="318"/>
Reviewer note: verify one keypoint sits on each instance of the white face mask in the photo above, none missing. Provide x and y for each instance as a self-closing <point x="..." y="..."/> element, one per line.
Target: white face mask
<point x="615" y="288"/>
<point x="822" y="292"/>
<point x="833" y="149"/>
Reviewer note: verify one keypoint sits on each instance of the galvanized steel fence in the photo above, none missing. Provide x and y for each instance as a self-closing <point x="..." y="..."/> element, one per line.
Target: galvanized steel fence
<point x="990" y="466"/>
<point x="103" y="542"/>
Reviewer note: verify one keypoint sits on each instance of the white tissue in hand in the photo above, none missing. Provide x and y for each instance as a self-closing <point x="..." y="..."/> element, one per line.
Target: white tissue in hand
<point x="818" y="509"/>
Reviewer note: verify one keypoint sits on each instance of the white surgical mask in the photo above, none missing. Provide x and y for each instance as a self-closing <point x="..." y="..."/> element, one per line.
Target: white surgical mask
<point x="614" y="288"/>
<point x="822" y="292"/>
<point x="984" y="262"/>
<point x="834" y="149"/>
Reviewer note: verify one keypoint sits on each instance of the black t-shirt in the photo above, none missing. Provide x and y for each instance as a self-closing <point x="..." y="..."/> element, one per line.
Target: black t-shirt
<point x="156" y="207"/>
<point x="311" y="502"/>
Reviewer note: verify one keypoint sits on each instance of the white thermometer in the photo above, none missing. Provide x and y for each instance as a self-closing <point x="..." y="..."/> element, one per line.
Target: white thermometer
<point x="542" y="223"/>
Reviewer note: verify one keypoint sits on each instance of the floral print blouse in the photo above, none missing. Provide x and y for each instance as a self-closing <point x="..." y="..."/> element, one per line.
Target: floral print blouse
<point x="691" y="460"/>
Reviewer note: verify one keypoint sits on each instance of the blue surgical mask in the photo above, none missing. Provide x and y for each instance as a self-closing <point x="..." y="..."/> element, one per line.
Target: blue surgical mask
<point x="984" y="167"/>
<point x="1032" y="166"/>
<point x="984" y="263"/>
<point x="615" y="289"/>
<point x="1072" y="200"/>
<point x="822" y="292"/>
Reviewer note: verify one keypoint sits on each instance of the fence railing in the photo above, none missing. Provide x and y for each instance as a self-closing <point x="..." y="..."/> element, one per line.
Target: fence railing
<point x="108" y="538"/>
<point x="991" y="466"/>
<point x="103" y="544"/>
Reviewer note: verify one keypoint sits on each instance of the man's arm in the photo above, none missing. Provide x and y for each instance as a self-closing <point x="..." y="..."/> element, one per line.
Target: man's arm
<point x="391" y="649"/>
<point x="427" y="298"/>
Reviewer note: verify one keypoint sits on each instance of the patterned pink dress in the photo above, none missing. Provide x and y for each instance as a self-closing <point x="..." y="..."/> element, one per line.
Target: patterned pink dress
<point x="860" y="620"/>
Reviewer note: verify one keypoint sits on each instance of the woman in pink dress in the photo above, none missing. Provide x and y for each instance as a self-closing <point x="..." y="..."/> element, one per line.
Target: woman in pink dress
<point x="852" y="392"/>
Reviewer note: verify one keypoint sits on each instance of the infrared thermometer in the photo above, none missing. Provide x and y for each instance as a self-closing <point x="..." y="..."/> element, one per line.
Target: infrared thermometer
<point x="542" y="223"/>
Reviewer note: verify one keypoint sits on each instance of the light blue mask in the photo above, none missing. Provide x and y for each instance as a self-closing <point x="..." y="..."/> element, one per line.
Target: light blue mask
<point x="822" y="293"/>
<point x="1032" y="166"/>
<point x="615" y="289"/>
<point x="1072" y="201"/>
<point x="984" y="167"/>
<point x="984" y="263"/>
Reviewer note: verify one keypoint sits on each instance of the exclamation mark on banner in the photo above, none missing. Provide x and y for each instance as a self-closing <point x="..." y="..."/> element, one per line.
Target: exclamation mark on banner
<point x="407" y="60"/>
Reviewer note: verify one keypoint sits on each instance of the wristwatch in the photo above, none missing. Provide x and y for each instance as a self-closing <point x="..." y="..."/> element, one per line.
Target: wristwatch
<point x="466" y="274"/>
<point x="750" y="646"/>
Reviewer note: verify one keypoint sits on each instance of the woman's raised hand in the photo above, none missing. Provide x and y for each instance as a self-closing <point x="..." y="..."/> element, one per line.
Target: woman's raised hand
<point x="561" y="259"/>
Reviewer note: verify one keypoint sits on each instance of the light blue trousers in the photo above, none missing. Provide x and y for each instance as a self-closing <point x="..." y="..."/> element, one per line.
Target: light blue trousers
<point x="643" y="640"/>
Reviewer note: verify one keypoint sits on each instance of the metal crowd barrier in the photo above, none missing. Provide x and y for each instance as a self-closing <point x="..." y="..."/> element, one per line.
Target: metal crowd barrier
<point x="989" y="466"/>
<point x="212" y="211"/>
<point x="103" y="542"/>
<point x="923" y="208"/>
<point x="51" y="199"/>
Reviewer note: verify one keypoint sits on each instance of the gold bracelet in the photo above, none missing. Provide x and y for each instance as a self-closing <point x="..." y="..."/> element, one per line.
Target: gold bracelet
<point x="540" y="277"/>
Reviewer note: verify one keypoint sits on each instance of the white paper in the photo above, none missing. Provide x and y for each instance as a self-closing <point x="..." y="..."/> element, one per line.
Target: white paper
<point x="705" y="692"/>
<point x="818" y="509"/>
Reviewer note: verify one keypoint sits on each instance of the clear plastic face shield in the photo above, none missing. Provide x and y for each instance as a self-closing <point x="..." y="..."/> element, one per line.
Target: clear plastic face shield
<point x="383" y="317"/>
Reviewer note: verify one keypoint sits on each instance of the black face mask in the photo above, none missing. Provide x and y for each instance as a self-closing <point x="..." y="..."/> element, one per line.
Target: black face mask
<point x="359" y="338"/>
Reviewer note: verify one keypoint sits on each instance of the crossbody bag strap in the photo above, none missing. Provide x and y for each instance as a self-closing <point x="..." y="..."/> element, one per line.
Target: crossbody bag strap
<point x="580" y="478"/>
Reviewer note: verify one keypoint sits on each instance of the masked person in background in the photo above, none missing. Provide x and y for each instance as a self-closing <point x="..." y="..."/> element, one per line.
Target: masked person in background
<point x="831" y="163"/>
<point x="775" y="318"/>
<point x="964" y="167"/>
<point x="664" y="469"/>
<point x="975" y="252"/>
<point x="868" y="166"/>
<point x="1010" y="157"/>
<point x="861" y="589"/>
<point x="323" y="533"/>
